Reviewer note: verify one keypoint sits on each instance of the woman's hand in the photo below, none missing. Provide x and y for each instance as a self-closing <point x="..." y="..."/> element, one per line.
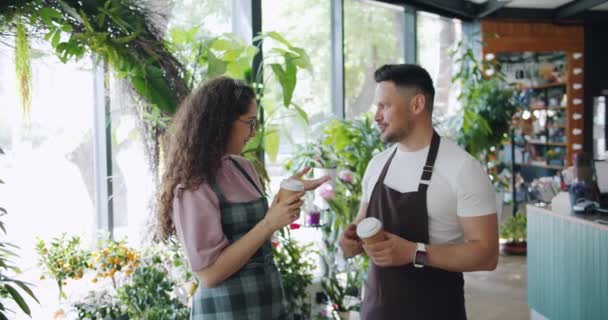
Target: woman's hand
<point x="310" y="184"/>
<point x="283" y="212"/>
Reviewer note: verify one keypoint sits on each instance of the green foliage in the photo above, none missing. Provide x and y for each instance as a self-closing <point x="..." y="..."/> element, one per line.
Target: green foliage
<point x="8" y="284"/>
<point x="488" y="103"/>
<point x="116" y="31"/>
<point x="148" y="296"/>
<point x="350" y="144"/>
<point x="514" y="228"/>
<point x="100" y="305"/>
<point x="23" y="67"/>
<point x="61" y="259"/>
<point x="295" y="266"/>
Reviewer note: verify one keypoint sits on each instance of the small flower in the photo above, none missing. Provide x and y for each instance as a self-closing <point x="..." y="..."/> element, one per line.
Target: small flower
<point x="274" y="244"/>
<point x="327" y="191"/>
<point x="294" y="226"/>
<point x="346" y="176"/>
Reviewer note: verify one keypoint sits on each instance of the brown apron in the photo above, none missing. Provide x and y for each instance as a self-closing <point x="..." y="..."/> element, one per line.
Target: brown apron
<point x="407" y="292"/>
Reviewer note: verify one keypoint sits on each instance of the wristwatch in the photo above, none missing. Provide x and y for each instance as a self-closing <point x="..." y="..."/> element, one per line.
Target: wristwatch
<point x="420" y="255"/>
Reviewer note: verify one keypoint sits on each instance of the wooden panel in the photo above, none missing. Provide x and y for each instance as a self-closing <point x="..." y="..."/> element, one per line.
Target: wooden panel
<point x="567" y="261"/>
<point x="517" y="36"/>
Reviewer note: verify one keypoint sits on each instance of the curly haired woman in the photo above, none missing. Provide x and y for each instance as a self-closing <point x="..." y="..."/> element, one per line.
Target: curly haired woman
<point x="213" y="200"/>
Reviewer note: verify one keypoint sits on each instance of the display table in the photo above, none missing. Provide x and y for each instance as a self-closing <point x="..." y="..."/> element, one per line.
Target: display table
<point x="567" y="265"/>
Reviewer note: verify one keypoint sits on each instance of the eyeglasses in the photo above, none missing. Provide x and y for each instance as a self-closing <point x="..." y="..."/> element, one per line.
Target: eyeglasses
<point x="252" y="123"/>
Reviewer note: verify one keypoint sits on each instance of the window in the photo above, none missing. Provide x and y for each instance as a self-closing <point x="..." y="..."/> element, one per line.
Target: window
<point x="373" y="36"/>
<point x="436" y="36"/>
<point x="304" y="24"/>
<point x="48" y="165"/>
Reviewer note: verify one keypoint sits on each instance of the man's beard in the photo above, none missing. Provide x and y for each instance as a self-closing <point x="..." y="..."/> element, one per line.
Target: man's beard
<point x="399" y="135"/>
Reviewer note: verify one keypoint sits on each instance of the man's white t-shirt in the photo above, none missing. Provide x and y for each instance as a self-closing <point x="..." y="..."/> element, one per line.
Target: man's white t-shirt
<point x="459" y="187"/>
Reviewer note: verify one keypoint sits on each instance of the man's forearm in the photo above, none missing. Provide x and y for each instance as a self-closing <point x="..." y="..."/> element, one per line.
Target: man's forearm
<point x="465" y="257"/>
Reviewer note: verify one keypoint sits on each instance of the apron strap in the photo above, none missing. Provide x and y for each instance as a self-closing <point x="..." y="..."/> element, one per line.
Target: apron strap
<point x="244" y="172"/>
<point x="220" y="193"/>
<point x="427" y="170"/>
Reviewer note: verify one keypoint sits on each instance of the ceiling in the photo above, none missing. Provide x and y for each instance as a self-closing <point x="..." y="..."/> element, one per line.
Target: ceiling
<point x="554" y="10"/>
<point x="541" y="4"/>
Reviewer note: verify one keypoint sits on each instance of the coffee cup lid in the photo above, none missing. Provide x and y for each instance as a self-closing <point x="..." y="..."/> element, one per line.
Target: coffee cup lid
<point x="368" y="227"/>
<point x="292" y="184"/>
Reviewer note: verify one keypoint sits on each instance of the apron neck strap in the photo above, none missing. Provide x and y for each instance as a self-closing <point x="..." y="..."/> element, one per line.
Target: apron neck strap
<point x="427" y="170"/>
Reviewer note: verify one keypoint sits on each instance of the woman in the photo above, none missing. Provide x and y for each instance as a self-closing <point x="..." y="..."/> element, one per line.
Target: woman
<point x="213" y="200"/>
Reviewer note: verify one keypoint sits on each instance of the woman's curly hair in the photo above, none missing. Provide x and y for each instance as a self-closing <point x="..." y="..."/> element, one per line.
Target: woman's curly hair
<point x="197" y="140"/>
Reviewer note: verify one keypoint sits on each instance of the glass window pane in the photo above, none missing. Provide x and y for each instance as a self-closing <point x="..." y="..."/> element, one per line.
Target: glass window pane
<point x="436" y="36"/>
<point x="133" y="182"/>
<point x="306" y="24"/>
<point x="211" y="16"/>
<point x="48" y="166"/>
<point x="373" y="36"/>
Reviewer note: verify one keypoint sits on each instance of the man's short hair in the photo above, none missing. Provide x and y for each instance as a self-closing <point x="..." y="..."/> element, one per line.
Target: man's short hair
<point x="408" y="76"/>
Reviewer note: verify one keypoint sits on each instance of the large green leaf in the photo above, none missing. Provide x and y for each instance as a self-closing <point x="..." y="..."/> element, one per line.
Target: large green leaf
<point x="287" y="79"/>
<point x="303" y="115"/>
<point x="217" y="67"/>
<point x="18" y="299"/>
<point x="271" y="143"/>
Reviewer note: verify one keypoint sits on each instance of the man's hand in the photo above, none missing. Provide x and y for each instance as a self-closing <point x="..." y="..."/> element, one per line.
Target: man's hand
<point x="392" y="252"/>
<point x="350" y="243"/>
<point x="310" y="184"/>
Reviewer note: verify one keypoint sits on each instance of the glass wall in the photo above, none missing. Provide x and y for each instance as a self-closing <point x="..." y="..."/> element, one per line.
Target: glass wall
<point x="436" y="36"/>
<point x="48" y="165"/>
<point x="373" y="36"/>
<point x="304" y="24"/>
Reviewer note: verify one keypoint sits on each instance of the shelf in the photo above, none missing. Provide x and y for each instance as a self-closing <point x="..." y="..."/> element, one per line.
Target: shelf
<point x="545" y="166"/>
<point x="549" y="85"/>
<point x="555" y="144"/>
<point x="546" y="108"/>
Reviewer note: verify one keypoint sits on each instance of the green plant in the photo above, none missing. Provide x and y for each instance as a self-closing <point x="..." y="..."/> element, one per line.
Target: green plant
<point x="99" y="305"/>
<point x="63" y="258"/>
<point x="488" y="103"/>
<point x="149" y="297"/>
<point x="339" y="286"/>
<point x="351" y="144"/>
<point x="8" y="284"/>
<point x="113" y="257"/>
<point x="514" y="228"/>
<point x="295" y="266"/>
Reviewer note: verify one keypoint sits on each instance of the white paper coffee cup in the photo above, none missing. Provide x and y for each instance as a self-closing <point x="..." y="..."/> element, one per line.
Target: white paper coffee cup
<point x="370" y="230"/>
<point x="289" y="187"/>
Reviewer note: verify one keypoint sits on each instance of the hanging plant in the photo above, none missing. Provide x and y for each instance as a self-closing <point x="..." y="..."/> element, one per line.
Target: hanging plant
<point x="23" y="67"/>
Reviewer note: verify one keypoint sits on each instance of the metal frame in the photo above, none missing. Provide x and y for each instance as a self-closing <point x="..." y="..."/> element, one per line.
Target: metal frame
<point x="468" y="10"/>
<point x="576" y="7"/>
<point x="337" y="58"/>
<point x="102" y="149"/>
<point x="410" y="34"/>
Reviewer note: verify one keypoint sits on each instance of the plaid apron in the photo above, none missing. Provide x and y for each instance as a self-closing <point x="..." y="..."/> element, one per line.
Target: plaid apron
<point x="255" y="291"/>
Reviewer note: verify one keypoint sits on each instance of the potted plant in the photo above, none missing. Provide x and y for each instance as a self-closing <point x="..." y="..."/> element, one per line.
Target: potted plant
<point x="296" y="272"/>
<point x="514" y="232"/>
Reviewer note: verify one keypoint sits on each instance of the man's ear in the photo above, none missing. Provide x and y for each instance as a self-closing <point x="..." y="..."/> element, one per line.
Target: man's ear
<point x="418" y="103"/>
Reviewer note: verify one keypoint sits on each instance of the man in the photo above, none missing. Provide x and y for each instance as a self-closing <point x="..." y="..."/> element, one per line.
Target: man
<point x="436" y="203"/>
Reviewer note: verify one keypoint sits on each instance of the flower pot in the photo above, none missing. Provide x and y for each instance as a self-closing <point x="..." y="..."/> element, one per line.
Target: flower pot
<point x="515" y="248"/>
<point x="344" y="315"/>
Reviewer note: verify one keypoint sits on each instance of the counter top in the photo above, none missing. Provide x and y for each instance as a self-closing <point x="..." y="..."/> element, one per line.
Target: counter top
<point x="586" y="219"/>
